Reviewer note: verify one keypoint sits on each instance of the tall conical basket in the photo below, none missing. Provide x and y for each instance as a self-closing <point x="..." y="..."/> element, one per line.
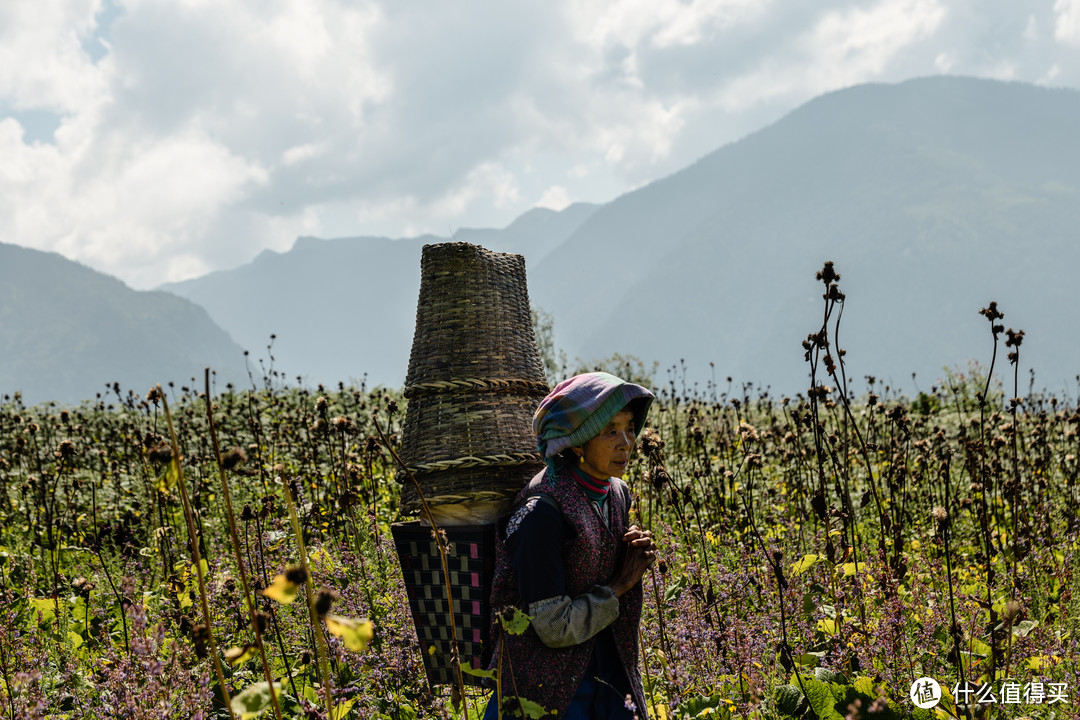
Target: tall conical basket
<point x="475" y="378"/>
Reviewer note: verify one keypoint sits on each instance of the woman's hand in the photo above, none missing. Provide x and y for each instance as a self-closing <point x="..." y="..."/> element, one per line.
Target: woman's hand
<point x="640" y="555"/>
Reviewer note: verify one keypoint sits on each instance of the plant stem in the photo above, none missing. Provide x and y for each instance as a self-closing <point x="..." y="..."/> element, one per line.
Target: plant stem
<point x="267" y="675"/>
<point x="195" y="553"/>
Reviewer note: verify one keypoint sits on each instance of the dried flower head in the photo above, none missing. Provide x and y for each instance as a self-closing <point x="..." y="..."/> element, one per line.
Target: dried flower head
<point x="324" y="598"/>
<point x="296" y="575"/>
<point x="233" y="458"/>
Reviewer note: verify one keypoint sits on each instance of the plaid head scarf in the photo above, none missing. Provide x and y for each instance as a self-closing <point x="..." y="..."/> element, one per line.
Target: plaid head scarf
<point x="578" y="408"/>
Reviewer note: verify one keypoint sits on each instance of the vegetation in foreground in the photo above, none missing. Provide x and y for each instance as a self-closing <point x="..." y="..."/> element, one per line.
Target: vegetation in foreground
<point x="820" y="554"/>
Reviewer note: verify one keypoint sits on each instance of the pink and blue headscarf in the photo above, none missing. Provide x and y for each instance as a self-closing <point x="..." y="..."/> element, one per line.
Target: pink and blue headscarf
<point x="578" y="408"/>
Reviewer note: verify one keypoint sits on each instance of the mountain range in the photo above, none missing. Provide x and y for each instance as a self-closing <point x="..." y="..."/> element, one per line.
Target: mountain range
<point x="932" y="197"/>
<point x="68" y="332"/>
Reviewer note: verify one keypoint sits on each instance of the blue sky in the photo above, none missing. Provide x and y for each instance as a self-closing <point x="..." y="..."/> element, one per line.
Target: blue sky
<point x="158" y="140"/>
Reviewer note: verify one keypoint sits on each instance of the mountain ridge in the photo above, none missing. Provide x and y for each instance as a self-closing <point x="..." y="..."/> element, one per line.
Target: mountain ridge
<point x="68" y="331"/>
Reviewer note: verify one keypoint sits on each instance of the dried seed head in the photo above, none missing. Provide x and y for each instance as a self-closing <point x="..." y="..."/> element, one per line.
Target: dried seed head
<point x="321" y="404"/>
<point x="828" y="274"/>
<point x="324" y="598"/>
<point x="160" y="454"/>
<point x="296" y="575"/>
<point x="651" y="442"/>
<point x="233" y="458"/>
<point x="66" y="449"/>
<point x="991" y="312"/>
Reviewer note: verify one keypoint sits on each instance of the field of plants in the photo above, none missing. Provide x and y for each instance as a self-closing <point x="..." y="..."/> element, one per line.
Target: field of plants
<point x="184" y="554"/>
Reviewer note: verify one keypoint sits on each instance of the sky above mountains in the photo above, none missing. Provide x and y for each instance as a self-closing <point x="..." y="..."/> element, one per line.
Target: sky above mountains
<point x="157" y="140"/>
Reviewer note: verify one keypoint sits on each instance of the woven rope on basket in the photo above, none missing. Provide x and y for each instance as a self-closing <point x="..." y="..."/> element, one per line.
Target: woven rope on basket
<point x="475" y="378"/>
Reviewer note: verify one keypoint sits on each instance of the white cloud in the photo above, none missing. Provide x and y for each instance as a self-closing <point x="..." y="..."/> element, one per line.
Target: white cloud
<point x="42" y="62"/>
<point x="555" y="198"/>
<point x="211" y="130"/>
<point x="1067" y="26"/>
<point x="845" y="47"/>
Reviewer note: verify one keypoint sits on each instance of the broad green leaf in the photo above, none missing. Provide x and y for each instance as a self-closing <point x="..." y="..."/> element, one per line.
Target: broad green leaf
<point x="852" y="568"/>
<point x="827" y="626"/>
<point x="281" y="590"/>
<point x="821" y="699"/>
<point x="168" y="480"/>
<point x="674" y="590"/>
<point x="342" y="709"/>
<point x="320" y="560"/>
<point x="356" y="633"/>
<point x="978" y="647"/>
<point x="532" y="710"/>
<point x="1024" y="627"/>
<point x="865" y="685"/>
<point x="477" y="672"/>
<point x="1042" y="662"/>
<point x="787" y="699"/>
<point x="808" y="659"/>
<point x="517" y="623"/>
<point x="47" y="607"/>
<point x="805" y="564"/>
<point x="830" y="676"/>
<point x="240" y="655"/>
<point x="254" y="700"/>
<point x="75" y="639"/>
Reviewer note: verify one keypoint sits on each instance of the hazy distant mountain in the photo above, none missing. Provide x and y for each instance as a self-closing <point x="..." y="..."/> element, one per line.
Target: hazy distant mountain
<point x="932" y="196"/>
<point x="344" y="308"/>
<point x="67" y="331"/>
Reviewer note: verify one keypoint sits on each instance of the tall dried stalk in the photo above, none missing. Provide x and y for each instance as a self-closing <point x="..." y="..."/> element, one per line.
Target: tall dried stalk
<point x="194" y="540"/>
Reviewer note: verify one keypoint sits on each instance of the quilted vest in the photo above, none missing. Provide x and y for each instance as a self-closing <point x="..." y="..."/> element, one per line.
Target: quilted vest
<point x="591" y="553"/>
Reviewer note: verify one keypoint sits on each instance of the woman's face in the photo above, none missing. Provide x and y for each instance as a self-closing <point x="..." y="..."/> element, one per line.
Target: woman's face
<point x="608" y="454"/>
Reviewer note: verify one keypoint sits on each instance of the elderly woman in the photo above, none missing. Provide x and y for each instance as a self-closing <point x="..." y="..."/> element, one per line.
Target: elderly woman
<point x="569" y="557"/>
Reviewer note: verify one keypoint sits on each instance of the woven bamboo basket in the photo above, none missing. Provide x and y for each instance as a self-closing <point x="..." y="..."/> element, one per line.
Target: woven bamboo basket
<point x="475" y="378"/>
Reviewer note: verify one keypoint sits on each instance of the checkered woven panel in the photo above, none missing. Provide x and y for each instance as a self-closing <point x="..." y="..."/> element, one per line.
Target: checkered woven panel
<point x="471" y="561"/>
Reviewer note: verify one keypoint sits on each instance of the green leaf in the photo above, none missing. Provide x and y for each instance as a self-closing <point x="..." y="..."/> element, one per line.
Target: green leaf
<point x="865" y="685"/>
<point x="254" y="699"/>
<point x="356" y="633"/>
<point x="787" y="699"/>
<point x="530" y="709"/>
<point x="809" y="659"/>
<point x="852" y="568"/>
<point x="281" y="590"/>
<point x="827" y="627"/>
<point x="674" y="590"/>
<point x="830" y="676"/>
<point x="821" y="699"/>
<point x="477" y="672"/>
<point x="168" y="481"/>
<point x="239" y="655"/>
<point x="342" y="709"/>
<point x="1024" y="627"/>
<point x="706" y="707"/>
<point x="516" y="623"/>
<point x="46" y="606"/>
<point x="805" y="564"/>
